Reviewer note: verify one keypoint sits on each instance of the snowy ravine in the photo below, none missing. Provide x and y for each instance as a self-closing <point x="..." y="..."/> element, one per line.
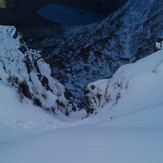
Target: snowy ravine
<point x="128" y="129"/>
<point x="82" y="54"/>
<point x="24" y="73"/>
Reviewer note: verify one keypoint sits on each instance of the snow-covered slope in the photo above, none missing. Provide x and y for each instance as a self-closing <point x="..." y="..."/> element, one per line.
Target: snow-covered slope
<point x="25" y="72"/>
<point x="134" y="87"/>
<point x="85" y="144"/>
<point x="131" y="118"/>
<point x="135" y="122"/>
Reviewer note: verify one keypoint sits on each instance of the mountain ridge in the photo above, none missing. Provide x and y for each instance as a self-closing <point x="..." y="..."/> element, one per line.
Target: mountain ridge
<point x="26" y="71"/>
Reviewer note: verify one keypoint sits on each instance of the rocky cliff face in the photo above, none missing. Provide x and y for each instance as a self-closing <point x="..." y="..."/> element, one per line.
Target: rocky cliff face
<point x="80" y="55"/>
<point x="26" y="72"/>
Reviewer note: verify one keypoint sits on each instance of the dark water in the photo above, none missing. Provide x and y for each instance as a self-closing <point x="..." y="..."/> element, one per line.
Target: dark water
<point x="69" y="15"/>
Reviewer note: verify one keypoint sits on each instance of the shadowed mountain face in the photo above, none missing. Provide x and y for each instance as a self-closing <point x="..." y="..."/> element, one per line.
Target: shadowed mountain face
<point x="80" y="55"/>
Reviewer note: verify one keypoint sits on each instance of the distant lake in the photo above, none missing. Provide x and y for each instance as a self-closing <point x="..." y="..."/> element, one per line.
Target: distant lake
<point x="69" y="15"/>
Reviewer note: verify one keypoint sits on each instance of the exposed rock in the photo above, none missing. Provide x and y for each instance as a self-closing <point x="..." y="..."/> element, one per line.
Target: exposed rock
<point x="159" y="44"/>
<point x="28" y="73"/>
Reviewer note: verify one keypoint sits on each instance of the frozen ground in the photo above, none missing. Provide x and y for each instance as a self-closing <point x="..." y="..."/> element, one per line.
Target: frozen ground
<point x="69" y="15"/>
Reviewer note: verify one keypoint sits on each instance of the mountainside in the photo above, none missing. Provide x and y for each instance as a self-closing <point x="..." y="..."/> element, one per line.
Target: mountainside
<point x="97" y="50"/>
<point x="24" y="71"/>
<point x="134" y="87"/>
<point x="80" y="55"/>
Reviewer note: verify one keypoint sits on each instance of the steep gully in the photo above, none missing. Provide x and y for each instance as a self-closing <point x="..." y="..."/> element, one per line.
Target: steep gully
<point x="83" y="54"/>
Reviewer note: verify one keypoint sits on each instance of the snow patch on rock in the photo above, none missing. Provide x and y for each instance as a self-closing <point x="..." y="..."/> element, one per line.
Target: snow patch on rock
<point x="26" y="71"/>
